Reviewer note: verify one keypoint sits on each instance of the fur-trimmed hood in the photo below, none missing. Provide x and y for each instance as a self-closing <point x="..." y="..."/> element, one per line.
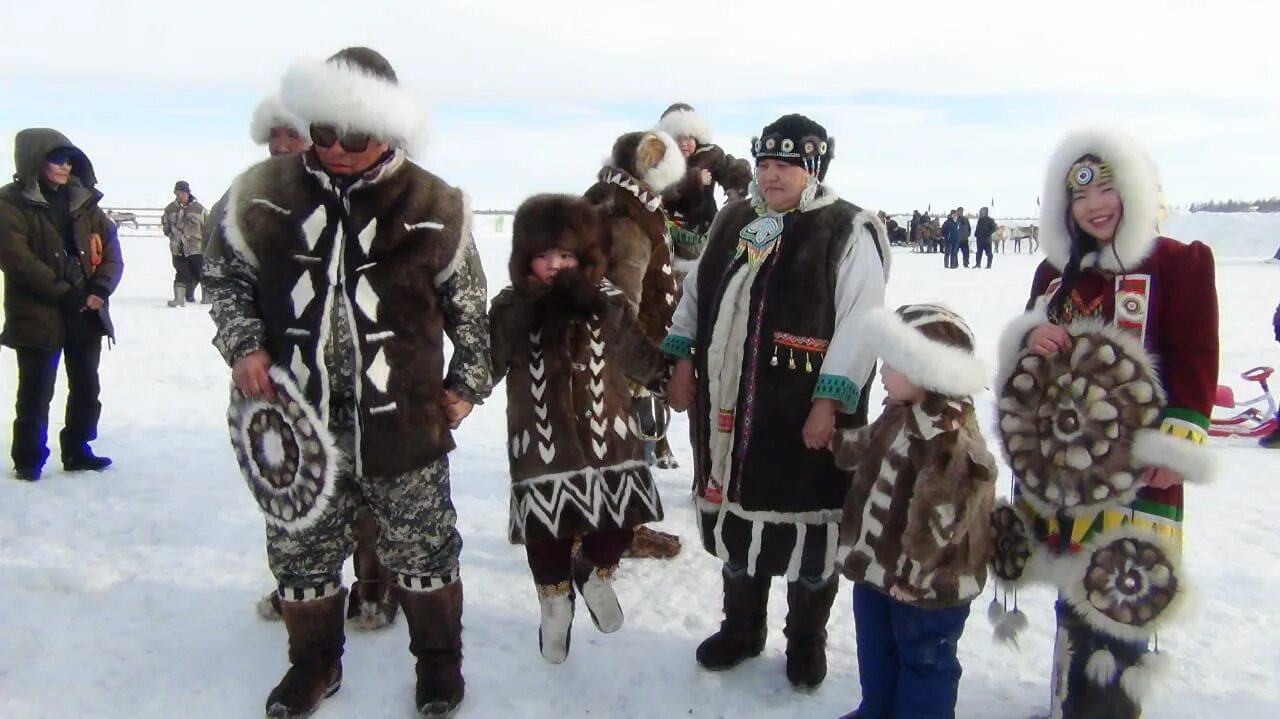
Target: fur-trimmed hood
<point x="351" y="98"/>
<point x="270" y="113"/>
<point x="1135" y="178"/>
<point x="652" y="157"/>
<point x="546" y="222"/>
<point x="686" y="123"/>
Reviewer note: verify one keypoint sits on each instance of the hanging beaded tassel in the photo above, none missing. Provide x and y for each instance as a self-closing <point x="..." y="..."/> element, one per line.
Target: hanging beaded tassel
<point x="791" y="363"/>
<point x="808" y="366"/>
<point x="774" y="361"/>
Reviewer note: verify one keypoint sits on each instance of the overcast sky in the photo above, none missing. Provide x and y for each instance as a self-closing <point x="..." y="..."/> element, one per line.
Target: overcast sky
<point x="942" y="103"/>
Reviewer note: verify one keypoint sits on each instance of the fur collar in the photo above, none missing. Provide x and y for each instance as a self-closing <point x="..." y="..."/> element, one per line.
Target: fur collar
<point x="651" y="200"/>
<point x="1135" y="179"/>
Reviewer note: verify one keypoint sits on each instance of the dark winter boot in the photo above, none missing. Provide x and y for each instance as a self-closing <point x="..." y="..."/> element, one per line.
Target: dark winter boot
<point x="555" y="602"/>
<point x="315" y="657"/>
<point x="663" y="457"/>
<point x="595" y="586"/>
<point x="372" y="604"/>
<point x="808" y="609"/>
<point x="27" y="474"/>
<point x="435" y="639"/>
<point x="1271" y="441"/>
<point x="179" y="296"/>
<point x="80" y="458"/>
<point x="743" y="631"/>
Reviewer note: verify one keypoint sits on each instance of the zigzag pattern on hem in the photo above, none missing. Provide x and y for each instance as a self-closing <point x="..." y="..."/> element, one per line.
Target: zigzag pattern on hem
<point x="600" y="497"/>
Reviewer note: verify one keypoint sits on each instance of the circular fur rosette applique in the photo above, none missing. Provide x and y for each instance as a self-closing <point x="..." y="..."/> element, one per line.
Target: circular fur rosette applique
<point x="1013" y="551"/>
<point x="1068" y="422"/>
<point x="286" y="454"/>
<point x="1126" y="583"/>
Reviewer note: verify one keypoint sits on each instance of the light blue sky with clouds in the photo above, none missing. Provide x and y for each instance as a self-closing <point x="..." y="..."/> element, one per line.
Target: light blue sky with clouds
<point x="932" y="103"/>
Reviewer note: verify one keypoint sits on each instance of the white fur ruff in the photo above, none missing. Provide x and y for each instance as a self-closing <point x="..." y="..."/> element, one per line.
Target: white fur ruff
<point x="347" y="97"/>
<point x="1195" y="462"/>
<point x="1134" y="177"/>
<point x="1011" y="347"/>
<point x="271" y="113"/>
<point x="685" y="123"/>
<point x="1101" y="668"/>
<point x="932" y="365"/>
<point x="670" y="169"/>
<point x="1139" y="680"/>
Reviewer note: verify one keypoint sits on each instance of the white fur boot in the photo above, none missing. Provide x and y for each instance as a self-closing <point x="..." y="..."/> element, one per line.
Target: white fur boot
<point x="557" y="621"/>
<point x="596" y="588"/>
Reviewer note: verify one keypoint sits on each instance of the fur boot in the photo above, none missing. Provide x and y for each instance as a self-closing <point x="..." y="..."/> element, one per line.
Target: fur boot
<point x="595" y="585"/>
<point x="372" y="604"/>
<point x="556" y="625"/>
<point x="435" y="639"/>
<point x="808" y="609"/>
<point x="315" y="657"/>
<point x="743" y="631"/>
<point x="269" y="607"/>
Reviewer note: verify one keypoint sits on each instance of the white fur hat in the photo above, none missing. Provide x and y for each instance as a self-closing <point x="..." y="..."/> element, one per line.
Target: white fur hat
<point x="681" y="120"/>
<point x="356" y="90"/>
<point x="930" y="345"/>
<point x="270" y="113"/>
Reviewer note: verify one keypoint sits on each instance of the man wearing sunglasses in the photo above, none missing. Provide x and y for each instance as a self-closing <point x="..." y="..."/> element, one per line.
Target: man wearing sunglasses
<point x="371" y="605"/>
<point x="346" y="266"/>
<point x="61" y="262"/>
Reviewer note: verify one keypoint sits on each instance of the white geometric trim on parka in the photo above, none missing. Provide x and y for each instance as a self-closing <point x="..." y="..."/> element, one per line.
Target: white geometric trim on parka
<point x="289" y="388"/>
<point x="350" y="99"/>
<point x="926" y="363"/>
<point x="1134" y="177"/>
<point x="586" y="491"/>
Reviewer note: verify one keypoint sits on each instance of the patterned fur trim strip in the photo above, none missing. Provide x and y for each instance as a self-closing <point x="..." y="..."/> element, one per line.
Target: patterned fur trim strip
<point x="426" y="584"/>
<point x="613" y="497"/>
<point x="310" y="594"/>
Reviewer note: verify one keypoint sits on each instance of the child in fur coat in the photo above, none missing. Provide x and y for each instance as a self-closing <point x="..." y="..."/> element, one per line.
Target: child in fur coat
<point x="567" y="342"/>
<point x="915" y="537"/>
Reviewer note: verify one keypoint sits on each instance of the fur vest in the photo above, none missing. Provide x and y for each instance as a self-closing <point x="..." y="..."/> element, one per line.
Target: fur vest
<point x="637" y="246"/>
<point x="918" y="514"/>
<point x="375" y="252"/>
<point x="577" y="464"/>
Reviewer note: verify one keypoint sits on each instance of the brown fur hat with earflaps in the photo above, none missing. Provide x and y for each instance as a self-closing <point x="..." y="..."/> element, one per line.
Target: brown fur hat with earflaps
<point x="550" y="221"/>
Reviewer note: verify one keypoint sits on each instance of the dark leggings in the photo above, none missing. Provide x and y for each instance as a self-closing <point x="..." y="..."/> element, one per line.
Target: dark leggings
<point x="551" y="560"/>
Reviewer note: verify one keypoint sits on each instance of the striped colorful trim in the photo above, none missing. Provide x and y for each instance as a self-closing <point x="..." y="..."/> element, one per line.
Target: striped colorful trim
<point x="724" y="420"/>
<point x="677" y="346"/>
<point x="1185" y="423"/>
<point x="841" y="389"/>
<point x="807" y="344"/>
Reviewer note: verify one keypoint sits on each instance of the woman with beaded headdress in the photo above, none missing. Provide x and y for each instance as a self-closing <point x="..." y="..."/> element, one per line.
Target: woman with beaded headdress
<point x="770" y="364"/>
<point x="1130" y="319"/>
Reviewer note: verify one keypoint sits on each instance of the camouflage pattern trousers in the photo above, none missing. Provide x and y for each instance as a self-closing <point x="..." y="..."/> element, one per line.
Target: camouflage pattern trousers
<point x="418" y="541"/>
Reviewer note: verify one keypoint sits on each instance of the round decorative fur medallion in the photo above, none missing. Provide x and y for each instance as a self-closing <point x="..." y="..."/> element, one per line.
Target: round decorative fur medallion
<point x="1011" y="548"/>
<point x="1068" y="421"/>
<point x="285" y="452"/>
<point x="1126" y="584"/>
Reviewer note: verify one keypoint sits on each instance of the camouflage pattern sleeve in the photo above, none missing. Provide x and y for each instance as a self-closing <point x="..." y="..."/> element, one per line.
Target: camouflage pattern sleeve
<point x="463" y="299"/>
<point x="230" y="281"/>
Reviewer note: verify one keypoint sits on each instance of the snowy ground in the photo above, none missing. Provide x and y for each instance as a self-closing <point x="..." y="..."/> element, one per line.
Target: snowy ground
<point x="131" y="593"/>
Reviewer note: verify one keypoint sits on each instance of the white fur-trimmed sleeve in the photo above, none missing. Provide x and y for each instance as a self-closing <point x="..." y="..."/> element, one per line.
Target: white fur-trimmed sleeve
<point x="1013" y="341"/>
<point x="860" y="285"/>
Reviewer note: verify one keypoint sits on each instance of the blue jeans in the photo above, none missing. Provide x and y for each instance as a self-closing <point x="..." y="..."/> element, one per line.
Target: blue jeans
<point x="907" y="663"/>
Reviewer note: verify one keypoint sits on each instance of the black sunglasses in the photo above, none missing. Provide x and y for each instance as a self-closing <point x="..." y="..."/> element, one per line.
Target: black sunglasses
<point x="326" y="135"/>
